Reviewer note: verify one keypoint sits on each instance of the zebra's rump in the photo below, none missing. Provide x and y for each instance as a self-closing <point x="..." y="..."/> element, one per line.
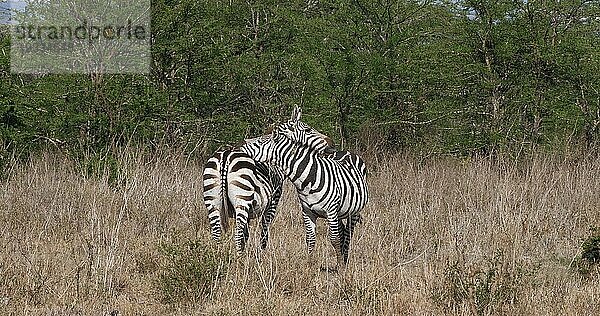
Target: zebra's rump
<point x="232" y="178"/>
<point x="333" y="182"/>
<point x="236" y="186"/>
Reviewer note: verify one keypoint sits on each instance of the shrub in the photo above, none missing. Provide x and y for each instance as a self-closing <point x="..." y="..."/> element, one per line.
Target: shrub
<point x="590" y="253"/>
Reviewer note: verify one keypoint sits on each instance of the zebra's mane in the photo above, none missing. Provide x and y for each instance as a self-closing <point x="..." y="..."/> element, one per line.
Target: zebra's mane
<point x="269" y="129"/>
<point x="327" y="150"/>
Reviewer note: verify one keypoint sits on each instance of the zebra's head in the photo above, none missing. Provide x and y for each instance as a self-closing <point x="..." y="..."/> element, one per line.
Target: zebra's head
<point x="302" y="134"/>
<point x="259" y="148"/>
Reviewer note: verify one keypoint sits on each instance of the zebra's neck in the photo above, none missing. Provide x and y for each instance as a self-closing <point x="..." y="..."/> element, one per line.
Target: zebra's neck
<point x="296" y="162"/>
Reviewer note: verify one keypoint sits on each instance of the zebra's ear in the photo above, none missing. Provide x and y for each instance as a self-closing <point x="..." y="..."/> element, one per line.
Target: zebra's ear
<point x="296" y="114"/>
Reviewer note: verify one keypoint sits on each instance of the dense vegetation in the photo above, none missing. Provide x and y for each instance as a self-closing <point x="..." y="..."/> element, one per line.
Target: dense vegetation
<point x="460" y="77"/>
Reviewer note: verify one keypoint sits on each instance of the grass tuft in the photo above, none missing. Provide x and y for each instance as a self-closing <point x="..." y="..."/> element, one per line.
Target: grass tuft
<point x="493" y="286"/>
<point x="191" y="273"/>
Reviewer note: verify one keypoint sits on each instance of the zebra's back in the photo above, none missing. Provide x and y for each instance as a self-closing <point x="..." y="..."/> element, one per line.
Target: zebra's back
<point x="353" y="160"/>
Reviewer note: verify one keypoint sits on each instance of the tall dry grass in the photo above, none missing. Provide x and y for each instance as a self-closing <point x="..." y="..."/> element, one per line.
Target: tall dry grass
<point x="438" y="237"/>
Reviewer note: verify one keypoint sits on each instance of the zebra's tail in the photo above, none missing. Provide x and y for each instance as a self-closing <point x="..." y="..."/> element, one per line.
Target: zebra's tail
<point x="224" y="193"/>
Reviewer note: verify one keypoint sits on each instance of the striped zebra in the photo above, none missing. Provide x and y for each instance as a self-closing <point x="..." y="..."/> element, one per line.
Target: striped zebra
<point x="236" y="186"/>
<point x="330" y="184"/>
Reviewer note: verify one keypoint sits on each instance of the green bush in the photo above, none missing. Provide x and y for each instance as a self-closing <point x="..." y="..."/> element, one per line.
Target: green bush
<point x="590" y="253"/>
<point x="191" y="272"/>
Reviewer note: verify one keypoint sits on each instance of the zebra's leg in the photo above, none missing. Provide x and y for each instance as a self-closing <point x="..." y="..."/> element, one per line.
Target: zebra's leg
<point x="241" y="228"/>
<point x="268" y="217"/>
<point x="266" y="221"/>
<point x="335" y="234"/>
<point x="214" y="219"/>
<point x="348" y="232"/>
<point x="310" y="227"/>
<point x="343" y="229"/>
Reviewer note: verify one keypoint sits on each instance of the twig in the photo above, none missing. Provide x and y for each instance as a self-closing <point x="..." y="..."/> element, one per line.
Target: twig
<point x="399" y="265"/>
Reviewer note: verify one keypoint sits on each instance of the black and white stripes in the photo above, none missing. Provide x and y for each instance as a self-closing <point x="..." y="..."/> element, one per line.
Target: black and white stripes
<point x="237" y="186"/>
<point x="330" y="184"/>
<point x="247" y="181"/>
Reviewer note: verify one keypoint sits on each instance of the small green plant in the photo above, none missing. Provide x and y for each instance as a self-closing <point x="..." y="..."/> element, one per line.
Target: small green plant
<point x="103" y="165"/>
<point x="590" y="253"/>
<point x="191" y="271"/>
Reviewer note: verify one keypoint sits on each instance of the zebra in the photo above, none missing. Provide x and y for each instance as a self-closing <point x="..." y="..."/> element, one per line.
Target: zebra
<point x="330" y="184"/>
<point x="236" y="186"/>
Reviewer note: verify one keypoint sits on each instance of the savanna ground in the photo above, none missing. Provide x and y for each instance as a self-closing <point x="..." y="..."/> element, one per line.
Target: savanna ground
<point x="129" y="236"/>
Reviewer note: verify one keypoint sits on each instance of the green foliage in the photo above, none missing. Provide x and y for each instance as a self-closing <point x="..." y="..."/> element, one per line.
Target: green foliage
<point x="461" y="77"/>
<point x="485" y="288"/>
<point x="590" y="253"/>
<point x="102" y="165"/>
<point x="191" y="272"/>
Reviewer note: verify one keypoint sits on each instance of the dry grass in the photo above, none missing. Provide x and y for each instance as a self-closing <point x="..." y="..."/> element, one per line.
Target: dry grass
<point x="438" y="237"/>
